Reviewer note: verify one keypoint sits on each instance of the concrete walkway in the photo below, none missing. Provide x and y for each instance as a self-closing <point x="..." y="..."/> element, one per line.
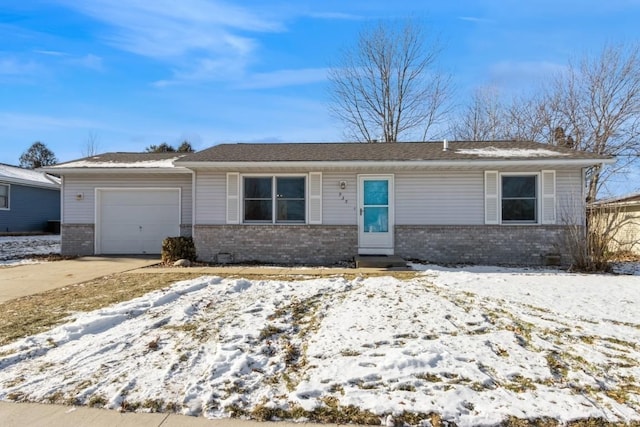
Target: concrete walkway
<point x="249" y="271"/>
<point x="40" y="415"/>
<point x="28" y="279"/>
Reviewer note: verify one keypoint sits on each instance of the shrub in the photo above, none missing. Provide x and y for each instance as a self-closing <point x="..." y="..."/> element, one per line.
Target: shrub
<point x="175" y="248"/>
<point x="591" y="244"/>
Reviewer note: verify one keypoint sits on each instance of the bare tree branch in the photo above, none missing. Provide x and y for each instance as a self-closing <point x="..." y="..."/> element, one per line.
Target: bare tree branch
<point x="92" y="145"/>
<point x="594" y="105"/>
<point x="387" y="86"/>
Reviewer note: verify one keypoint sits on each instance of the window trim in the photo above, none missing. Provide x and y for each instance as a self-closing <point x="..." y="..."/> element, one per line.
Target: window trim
<point x="8" y="207"/>
<point x="274" y="198"/>
<point x="538" y="211"/>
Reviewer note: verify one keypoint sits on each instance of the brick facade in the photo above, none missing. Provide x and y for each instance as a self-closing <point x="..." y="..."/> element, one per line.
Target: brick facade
<point x="77" y="239"/>
<point x="186" y="230"/>
<point x="331" y="244"/>
<point x="280" y="244"/>
<point x="481" y="244"/>
<point x="308" y="244"/>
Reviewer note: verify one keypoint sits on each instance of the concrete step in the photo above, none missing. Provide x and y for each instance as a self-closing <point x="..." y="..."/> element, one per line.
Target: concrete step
<point x="380" y="261"/>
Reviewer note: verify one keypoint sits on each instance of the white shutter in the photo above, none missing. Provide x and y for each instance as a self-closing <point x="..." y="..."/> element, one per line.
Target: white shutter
<point x="548" y="196"/>
<point x="233" y="198"/>
<point x="315" y="197"/>
<point x="491" y="201"/>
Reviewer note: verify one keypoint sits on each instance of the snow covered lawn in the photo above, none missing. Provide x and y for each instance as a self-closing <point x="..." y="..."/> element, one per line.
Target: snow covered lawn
<point x="473" y="346"/>
<point x="15" y="250"/>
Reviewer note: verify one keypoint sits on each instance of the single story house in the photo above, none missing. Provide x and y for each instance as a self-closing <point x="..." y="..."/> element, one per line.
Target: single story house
<point x="619" y="218"/>
<point x="320" y="203"/>
<point x="29" y="200"/>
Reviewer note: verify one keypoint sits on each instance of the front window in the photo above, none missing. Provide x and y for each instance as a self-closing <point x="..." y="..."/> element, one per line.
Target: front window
<point x="281" y="198"/>
<point x="519" y="199"/>
<point x="4" y="196"/>
<point x="258" y="199"/>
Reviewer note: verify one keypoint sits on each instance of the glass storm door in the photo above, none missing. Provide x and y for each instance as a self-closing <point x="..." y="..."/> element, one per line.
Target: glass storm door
<point x="376" y="213"/>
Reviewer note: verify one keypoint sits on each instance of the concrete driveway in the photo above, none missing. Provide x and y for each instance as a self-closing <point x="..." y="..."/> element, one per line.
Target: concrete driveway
<point x="29" y="279"/>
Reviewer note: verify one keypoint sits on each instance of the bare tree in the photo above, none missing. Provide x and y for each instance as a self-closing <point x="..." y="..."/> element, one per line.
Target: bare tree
<point x="483" y="119"/>
<point x="387" y="86"/>
<point x="594" y="105"/>
<point x="92" y="145"/>
<point x="598" y="104"/>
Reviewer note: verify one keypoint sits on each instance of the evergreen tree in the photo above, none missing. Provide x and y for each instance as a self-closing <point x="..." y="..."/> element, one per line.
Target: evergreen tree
<point x="37" y="156"/>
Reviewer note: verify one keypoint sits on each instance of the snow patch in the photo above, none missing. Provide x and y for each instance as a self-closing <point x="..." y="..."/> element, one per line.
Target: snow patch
<point x="510" y="152"/>
<point x="474" y="344"/>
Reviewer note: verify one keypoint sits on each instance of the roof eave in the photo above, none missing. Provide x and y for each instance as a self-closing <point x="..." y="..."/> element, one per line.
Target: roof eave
<point x="400" y="164"/>
<point x="113" y="170"/>
<point x="28" y="183"/>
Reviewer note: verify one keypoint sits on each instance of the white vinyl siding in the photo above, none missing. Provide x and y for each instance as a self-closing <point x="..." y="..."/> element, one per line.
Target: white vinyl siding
<point x="339" y="206"/>
<point x="79" y="192"/>
<point x="570" y="204"/>
<point x="439" y="198"/>
<point x="211" y="193"/>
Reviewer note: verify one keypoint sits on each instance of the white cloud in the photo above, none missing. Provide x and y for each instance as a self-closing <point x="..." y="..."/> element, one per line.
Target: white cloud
<point x="475" y="19"/>
<point x="11" y="66"/>
<point x="55" y="53"/>
<point x="165" y="28"/>
<point x="337" y="16"/>
<point x="522" y="73"/>
<point x="200" y="39"/>
<point x="90" y="61"/>
<point x="19" y="121"/>
<point x="282" y="78"/>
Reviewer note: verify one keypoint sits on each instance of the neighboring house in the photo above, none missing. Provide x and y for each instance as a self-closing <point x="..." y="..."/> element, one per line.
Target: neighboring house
<point x="619" y="217"/>
<point x="29" y="199"/>
<point x="467" y="202"/>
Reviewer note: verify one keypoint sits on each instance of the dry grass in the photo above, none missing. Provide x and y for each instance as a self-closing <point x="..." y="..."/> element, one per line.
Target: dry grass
<point x="36" y="313"/>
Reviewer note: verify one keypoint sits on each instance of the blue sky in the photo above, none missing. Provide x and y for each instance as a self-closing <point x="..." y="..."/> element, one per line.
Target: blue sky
<point x="240" y="71"/>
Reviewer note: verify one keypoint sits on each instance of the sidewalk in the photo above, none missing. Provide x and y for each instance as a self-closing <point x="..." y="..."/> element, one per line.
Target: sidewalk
<point x="248" y="271"/>
<point x="40" y="415"/>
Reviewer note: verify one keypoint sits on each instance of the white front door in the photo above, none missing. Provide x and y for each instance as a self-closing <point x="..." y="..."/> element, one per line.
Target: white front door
<point x="375" y="214"/>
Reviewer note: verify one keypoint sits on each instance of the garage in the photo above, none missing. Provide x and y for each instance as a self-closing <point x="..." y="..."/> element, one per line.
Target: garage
<point x="136" y="221"/>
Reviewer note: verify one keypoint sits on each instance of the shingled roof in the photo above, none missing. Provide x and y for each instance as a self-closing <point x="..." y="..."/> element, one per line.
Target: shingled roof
<point x="628" y="199"/>
<point x="123" y="160"/>
<point x="333" y="153"/>
<point x="403" y="151"/>
<point x="30" y="177"/>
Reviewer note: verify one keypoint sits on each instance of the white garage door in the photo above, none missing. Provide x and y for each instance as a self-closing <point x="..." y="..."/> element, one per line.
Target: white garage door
<point x="136" y="221"/>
